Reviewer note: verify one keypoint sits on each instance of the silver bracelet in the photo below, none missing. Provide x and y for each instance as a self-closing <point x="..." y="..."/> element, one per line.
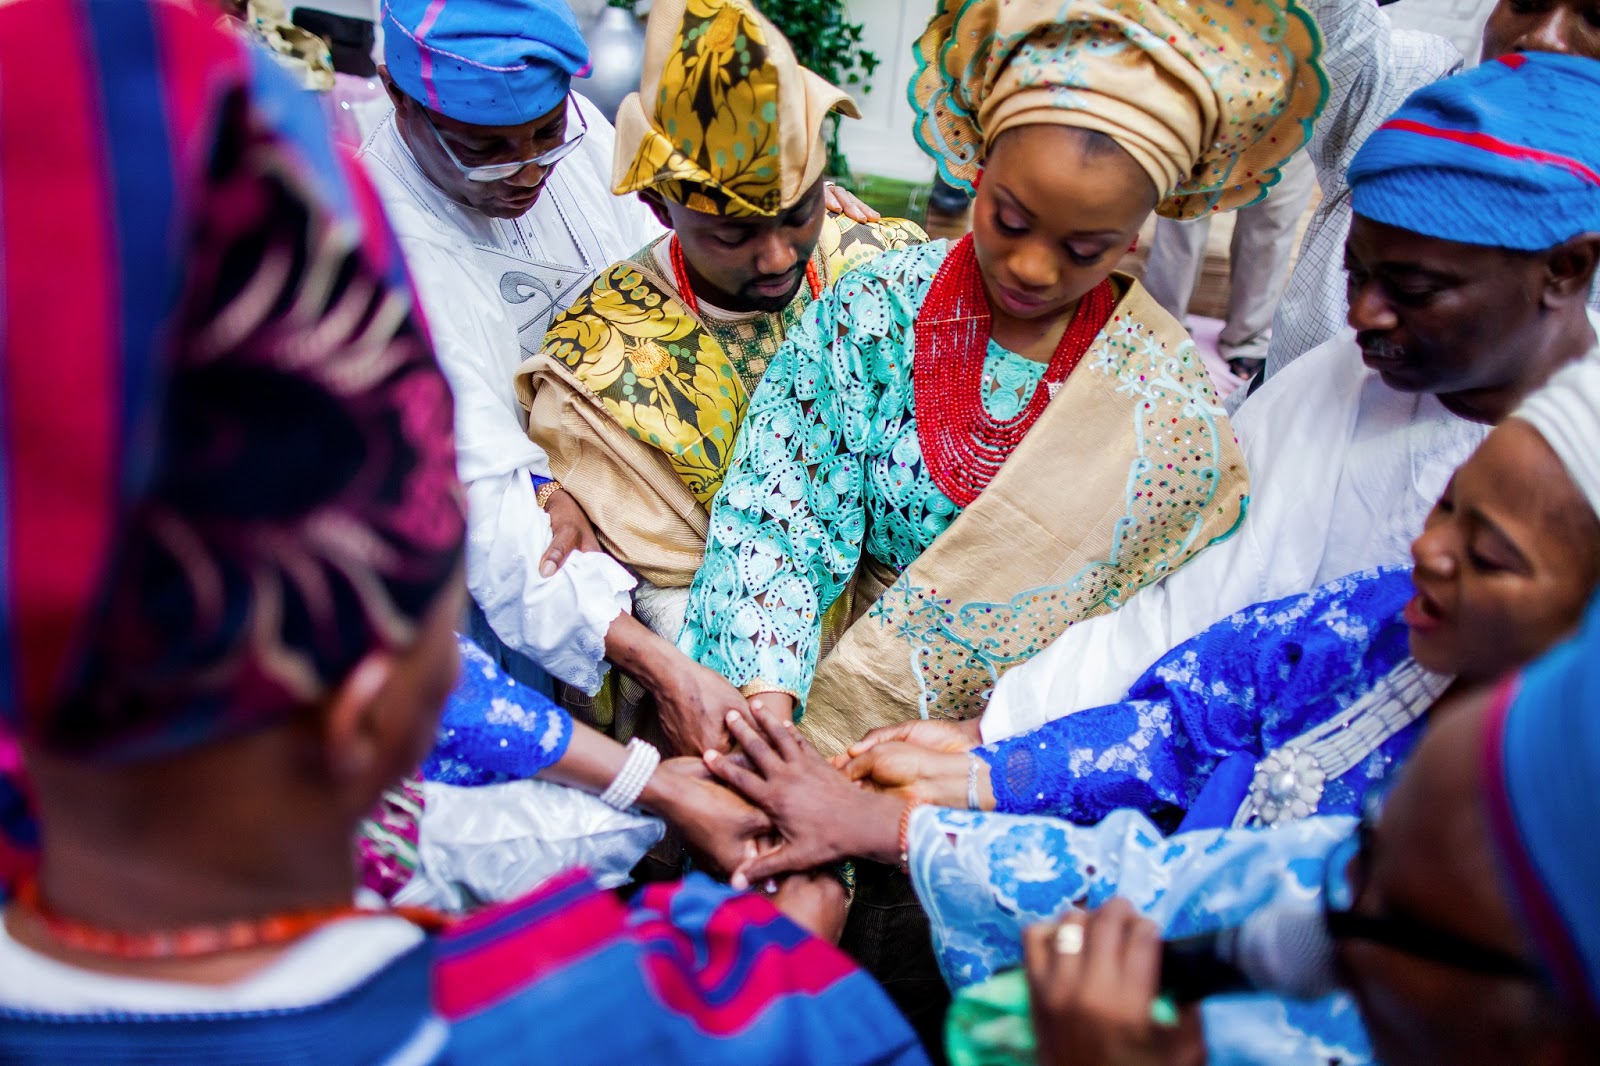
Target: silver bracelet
<point x="972" y="782"/>
<point x="635" y="774"/>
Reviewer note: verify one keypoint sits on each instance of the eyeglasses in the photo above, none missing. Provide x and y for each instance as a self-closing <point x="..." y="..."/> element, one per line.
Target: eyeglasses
<point x="501" y="171"/>
<point x="1342" y="884"/>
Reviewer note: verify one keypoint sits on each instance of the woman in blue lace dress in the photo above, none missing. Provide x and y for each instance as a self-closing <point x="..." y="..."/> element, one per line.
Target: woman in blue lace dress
<point x="497" y="731"/>
<point x="1299" y="706"/>
<point x="1289" y="709"/>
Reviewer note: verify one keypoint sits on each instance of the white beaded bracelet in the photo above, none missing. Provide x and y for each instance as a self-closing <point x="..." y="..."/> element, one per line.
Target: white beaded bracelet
<point x="972" y="783"/>
<point x="635" y="774"/>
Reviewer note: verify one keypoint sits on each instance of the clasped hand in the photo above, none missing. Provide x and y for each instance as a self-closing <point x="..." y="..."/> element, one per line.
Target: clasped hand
<point x="818" y="815"/>
<point x="923" y="761"/>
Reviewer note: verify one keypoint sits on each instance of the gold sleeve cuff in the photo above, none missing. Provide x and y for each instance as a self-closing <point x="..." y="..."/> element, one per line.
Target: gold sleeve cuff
<point x="758" y="686"/>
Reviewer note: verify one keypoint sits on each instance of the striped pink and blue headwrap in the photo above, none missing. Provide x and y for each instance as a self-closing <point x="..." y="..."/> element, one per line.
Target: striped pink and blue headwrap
<point x="226" y="465"/>
<point x="1542" y="774"/>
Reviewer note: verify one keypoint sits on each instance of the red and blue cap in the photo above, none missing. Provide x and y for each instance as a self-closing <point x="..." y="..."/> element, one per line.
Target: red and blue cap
<point x="484" y="62"/>
<point x="1505" y="155"/>
<point x="227" y="470"/>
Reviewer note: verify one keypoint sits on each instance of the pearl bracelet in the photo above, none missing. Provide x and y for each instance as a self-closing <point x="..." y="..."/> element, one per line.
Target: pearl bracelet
<point x="972" y="782"/>
<point x="635" y="774"/>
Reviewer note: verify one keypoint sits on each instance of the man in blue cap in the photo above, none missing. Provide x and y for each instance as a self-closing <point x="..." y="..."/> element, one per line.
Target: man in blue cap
<point x="1372" y="68"/>
<point x="498" y="237"/>
<point x="496" y="177"/>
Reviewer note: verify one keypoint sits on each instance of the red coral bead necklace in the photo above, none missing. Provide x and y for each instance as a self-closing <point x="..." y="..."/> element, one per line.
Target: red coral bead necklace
<point x="962" y="446"/>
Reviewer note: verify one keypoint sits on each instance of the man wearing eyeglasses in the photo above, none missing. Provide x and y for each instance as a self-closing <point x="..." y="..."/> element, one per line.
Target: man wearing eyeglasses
<point x="495" y="176"/>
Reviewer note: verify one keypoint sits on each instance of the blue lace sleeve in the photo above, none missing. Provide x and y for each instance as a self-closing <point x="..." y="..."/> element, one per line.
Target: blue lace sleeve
<point x="1263" y="674"/>
<point x="494" y="729"/>
<point x="982" y="878"/>
<point x="1086" y="765"/>
<point x="786" y="527"/>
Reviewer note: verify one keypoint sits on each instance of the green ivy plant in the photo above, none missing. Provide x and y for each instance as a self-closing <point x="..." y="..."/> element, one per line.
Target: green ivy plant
<point x="829" y="45"/>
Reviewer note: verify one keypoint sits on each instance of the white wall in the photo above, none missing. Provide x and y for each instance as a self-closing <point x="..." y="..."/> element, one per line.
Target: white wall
<point x="1460" y="20"/>
<point x="881" y="141"/>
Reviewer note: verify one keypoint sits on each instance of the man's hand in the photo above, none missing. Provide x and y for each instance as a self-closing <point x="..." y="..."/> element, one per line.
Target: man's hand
<point x="570" y="531"/>
<point x="914" y="773"/>
<point x="815" y="901"/>
<point x="844" y="202"/>
<point x="933" y="734"/>
<point x="719" y="827"/>
<point x="818" y="815"/>
<point x="693" y="705"/>
<point x="1091" y="981"/>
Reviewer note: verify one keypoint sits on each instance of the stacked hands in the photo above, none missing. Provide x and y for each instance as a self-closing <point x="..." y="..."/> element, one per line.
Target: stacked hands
<point x="760" y="805"/>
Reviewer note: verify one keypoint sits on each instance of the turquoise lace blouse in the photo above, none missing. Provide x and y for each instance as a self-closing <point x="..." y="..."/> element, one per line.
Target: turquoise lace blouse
<point x="827" y="465"/>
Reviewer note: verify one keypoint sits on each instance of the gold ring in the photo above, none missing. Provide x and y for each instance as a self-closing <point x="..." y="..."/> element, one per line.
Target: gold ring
<point x="1069" y="939"/>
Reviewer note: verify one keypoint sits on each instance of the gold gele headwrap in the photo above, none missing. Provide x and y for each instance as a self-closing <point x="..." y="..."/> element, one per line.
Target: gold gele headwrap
<point x="734" y="125"/>
<point x="1210" y="97"/>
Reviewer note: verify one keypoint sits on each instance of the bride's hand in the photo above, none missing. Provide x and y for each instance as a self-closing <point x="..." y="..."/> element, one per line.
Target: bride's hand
<point x="933" y="734"/>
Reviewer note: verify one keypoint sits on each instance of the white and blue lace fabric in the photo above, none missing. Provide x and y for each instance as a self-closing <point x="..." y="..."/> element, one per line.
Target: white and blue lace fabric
<point x="984" y="877"/>
<point x="1184" y="746"/>
<point x="494" y="729"/>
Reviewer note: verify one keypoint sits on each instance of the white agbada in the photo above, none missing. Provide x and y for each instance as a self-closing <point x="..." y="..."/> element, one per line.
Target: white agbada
<point x="1343" y="472"/>
<point x="489" y="288"/>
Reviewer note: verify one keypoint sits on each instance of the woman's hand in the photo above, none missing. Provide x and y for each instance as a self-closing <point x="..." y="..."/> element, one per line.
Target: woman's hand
<point x="1092" y="979"/>
<point x="818" y="815"/>
<point x="914" y="773"/>
<point x="933" y="734"/>
<point x="719" y="826"/>
<point x="842" y="201"/>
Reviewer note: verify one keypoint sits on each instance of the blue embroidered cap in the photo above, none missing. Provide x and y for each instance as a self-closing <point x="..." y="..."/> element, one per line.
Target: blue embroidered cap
<point x="487" y="62"/>
<point x="1505" y="155"/>
<point x="1542" y="774"/>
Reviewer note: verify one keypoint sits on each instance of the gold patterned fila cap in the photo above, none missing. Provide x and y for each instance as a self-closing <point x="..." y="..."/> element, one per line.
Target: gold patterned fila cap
<point x="726" y="121"/>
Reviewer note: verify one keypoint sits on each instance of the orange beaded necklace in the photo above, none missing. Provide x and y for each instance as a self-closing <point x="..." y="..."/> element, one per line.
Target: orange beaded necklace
<point x="198" y="940"/>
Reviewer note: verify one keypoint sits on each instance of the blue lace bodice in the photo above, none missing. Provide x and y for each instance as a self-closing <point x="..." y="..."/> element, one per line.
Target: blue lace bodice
<point x="1194" y="725"/>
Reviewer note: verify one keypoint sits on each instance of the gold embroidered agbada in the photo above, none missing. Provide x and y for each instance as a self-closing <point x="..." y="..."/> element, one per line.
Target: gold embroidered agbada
<point x="638" y="393"/>
<point x="637" y="399"/>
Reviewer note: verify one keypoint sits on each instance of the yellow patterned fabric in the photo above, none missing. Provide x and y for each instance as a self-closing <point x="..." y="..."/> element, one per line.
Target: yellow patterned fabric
<point x="676" y="381"/>
<point x="725" y="121"/>
<point x="1209" y="96"/>
<point x="302" y="53"/>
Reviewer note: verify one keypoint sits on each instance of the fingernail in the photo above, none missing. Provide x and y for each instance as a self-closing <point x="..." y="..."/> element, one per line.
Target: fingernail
<point x="771" y="886"/>
<point x="733" y="716"/>
<point x="546" y="568"/>
<point x="739" y="882"/>
<point x="711" y="756"/>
